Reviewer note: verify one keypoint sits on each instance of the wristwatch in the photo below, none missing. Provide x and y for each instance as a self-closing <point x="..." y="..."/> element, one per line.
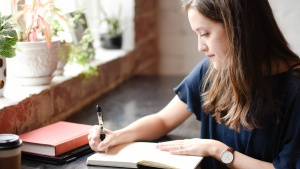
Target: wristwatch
<point x="227" y="155"/>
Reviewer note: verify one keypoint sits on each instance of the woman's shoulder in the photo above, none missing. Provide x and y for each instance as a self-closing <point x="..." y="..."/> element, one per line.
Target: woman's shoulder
<point x="290" y="80"/>
<point x="288" y="91"/>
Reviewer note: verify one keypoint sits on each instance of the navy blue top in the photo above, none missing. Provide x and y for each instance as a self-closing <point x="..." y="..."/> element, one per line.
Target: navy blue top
<point x="275" y="143"/>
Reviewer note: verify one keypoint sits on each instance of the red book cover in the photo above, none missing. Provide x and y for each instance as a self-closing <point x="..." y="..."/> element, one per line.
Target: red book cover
<point x="55" y="139"/>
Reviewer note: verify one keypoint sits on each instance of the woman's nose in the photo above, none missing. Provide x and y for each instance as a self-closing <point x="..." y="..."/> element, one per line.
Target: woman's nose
<point x="202" y="47"/>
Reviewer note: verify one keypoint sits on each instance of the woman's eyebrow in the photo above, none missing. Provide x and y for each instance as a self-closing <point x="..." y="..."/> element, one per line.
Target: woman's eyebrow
<point x="200" y="28"/>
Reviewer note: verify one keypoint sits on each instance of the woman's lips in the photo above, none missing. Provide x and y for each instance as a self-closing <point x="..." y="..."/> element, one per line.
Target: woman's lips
<point x="210" y="56"/>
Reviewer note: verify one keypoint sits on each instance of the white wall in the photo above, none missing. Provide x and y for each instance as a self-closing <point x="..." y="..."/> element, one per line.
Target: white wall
<point x="178" y="44"/>
<point x="287" y="13"/>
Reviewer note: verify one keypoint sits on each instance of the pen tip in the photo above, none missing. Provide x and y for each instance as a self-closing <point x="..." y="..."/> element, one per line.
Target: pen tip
<point x="98" y="108"/>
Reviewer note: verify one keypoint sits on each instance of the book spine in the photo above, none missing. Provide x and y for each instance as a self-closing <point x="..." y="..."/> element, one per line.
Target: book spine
<point x="71" y="144"/>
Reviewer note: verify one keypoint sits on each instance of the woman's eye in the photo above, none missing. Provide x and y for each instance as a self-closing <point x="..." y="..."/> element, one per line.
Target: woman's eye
<point x="204" y="34"/>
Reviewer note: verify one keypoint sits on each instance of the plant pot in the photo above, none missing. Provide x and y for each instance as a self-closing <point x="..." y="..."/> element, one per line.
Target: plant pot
<point x="64" y="52"/>
<point x="2" y="75"/>
<point x="109" y="41"/>
<point x="35" y="63"/>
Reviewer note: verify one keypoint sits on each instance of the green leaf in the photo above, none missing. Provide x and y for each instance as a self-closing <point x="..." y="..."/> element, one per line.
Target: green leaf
<point x="9" y="52"/>
<point x="8" y="40"/>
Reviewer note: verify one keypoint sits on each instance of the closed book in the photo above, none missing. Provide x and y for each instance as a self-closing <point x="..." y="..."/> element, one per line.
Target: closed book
<point x="60" y="159"/>
<point x="142" y="155"/>
<point x="55" y="139"/>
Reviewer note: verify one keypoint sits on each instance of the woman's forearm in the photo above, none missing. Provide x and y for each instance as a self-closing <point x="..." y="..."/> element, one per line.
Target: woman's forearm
<point x="156" y="125"/>
<point x="147" y="128"/>
<point x="240" y="161"/>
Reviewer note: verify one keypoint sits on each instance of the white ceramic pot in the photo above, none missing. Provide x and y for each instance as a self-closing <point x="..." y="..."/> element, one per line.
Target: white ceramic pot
<point x="35" y="63"/>
<point x="2" y="75"/>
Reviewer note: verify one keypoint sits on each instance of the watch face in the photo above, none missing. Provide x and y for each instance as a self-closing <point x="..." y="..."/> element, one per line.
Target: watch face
<point x="226" y="157"/>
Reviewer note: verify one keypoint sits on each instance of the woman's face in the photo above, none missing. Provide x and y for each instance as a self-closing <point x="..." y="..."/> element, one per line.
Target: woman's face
<point x="212" y="39"/>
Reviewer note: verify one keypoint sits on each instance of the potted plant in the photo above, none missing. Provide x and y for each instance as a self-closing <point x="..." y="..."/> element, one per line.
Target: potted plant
<point x="38" y="56"/>
<point x="8" y="40"/>
<point x="81" y="49"/>
<point x="112" y="37"/>
<point x="60" y="29"/>
<point x="76" y="41"/>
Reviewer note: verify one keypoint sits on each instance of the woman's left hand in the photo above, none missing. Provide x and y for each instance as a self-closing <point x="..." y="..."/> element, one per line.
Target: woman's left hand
<point x="195" y="146"/>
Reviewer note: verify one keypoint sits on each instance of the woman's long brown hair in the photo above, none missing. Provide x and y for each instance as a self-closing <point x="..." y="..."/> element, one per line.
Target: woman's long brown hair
<point x="237" y="93"/>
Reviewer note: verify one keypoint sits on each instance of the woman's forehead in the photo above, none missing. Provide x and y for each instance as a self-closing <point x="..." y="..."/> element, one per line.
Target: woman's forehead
<point x="199" y="21"/>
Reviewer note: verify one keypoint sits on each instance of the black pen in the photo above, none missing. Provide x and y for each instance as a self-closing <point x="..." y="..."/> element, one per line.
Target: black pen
<point x="100" y="119"/>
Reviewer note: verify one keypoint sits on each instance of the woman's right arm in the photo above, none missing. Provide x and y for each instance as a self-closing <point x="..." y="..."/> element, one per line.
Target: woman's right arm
<point x="144" y="129"/>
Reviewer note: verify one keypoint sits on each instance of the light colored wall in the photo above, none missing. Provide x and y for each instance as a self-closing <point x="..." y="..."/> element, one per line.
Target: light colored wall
<point x="287" y="13"/>
<point x="178" y="44"/>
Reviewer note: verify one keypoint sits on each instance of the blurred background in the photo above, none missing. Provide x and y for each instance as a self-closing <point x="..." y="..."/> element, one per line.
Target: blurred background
<point x="177" y="44"/>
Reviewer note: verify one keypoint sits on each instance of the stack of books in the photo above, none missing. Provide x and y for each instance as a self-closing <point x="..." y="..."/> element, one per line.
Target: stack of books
<point x="60" y="142"/>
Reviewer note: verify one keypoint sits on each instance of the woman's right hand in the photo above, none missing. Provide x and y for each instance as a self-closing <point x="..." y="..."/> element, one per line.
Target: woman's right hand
<point x="95" y="142"/>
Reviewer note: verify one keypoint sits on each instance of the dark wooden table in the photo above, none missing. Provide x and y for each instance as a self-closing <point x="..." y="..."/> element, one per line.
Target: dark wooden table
<point x="137" y="97"/>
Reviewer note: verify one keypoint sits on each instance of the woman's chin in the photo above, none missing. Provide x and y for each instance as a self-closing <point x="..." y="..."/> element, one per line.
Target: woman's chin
<point x="216" y="65"/>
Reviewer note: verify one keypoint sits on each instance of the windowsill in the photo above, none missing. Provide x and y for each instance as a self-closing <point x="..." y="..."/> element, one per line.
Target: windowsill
<point x="15" y="93"/>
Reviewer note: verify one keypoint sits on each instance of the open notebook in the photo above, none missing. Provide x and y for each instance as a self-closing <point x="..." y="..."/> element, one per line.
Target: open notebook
<point x="137" y="154"/>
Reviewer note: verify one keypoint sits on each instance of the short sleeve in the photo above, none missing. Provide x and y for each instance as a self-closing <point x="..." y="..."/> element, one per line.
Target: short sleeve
<point x="189" y="90"/>
<point x="289" y="147"/>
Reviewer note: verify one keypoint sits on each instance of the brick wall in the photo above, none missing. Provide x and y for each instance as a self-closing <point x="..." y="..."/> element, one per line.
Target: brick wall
<point x="64" y="99"/>
<point x="146" y="36"/>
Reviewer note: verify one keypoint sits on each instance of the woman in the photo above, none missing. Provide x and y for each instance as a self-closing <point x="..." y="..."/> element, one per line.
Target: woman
<point x="246" y="93"/>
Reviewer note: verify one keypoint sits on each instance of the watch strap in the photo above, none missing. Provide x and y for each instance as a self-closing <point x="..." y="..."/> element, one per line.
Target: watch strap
<point x="230" y="149"/>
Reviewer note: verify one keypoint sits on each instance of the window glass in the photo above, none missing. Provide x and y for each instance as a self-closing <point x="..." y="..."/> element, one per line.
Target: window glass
<point x="93" y="15"/>
<point x="111" y="7"/>
<point x="5" y="7"/>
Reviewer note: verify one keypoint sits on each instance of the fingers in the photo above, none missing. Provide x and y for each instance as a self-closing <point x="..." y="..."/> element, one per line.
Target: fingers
<point x="169" y="146"/>
<point x="94" y="138"/>
<point x="174" y="147"/>
<point x="180" y="150"/>
<point x="194" y="146"/>
<point x="103" y="145"/>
